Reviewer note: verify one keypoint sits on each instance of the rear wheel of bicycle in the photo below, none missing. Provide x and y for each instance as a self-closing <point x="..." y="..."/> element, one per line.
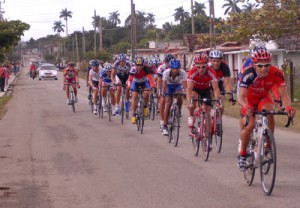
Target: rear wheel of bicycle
<point x="176" y="126"/>
<point x="72" y="99"/>
<point x="152" y="108"/>
<point x="109" y="110"/>
<point x="122" y="109"/>
<point x="218" y="130"/>
<point x="99" y="105"/>
<point x="268" y="163"/>
<point x="170" y="125"/>
<point x="249" y="173"/>
<point x="205" y="137"/>
<point x="138" y="118"/>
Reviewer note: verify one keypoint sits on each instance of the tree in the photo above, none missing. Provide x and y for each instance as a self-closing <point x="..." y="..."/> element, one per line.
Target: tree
<point x="249" y="7"/>
<point x="58" y="27"/>
<point x="66" y="14"/>
<point x="114" y="18"/>
<point x="180" y="15"/>
<point x="199" y="9"/>
<point x="232" y="6"/>
<point x="10" y="35"/>
<point x="150" y="19"/>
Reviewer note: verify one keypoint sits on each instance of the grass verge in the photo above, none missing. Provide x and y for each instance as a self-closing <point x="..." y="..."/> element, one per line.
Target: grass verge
<point x="3" y="101"/>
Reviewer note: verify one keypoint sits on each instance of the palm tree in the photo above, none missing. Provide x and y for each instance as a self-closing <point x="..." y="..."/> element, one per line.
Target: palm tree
<point x="150" y="18"/>
<point x="66" y="14"/>
<point x="199" y="8"/>
<point x="114" y="18"/>
<point x="58" y="27"/>
<point x="231" y="5"/>
<point x="96" y="24"/>
<point x="180" y="15"/>
<point x="249" y="7"/>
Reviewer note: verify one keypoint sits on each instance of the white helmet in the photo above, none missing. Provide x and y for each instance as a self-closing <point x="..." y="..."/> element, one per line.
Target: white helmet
<point x="215" y="54"/>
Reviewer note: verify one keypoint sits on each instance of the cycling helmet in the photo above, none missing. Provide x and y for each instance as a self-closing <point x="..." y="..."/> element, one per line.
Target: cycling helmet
<point x="90" y="63"/>
<point x="95" y="63"/>
<point x="139" y="60"/>
<point x="175" y="64"/>
<point x="168" y="57"/>
<point x="201" y="58"/>
<point x="215" y="54"/>
<point x="261" y="55"/>
<point x="108" y="67"/>
<point x="122" y="56"/>
<point x="155" y="62"/>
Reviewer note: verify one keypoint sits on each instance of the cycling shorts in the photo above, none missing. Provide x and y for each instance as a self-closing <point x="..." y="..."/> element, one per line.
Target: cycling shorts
<point x="173" y="88"/>
<point x="204" y="93"/>
<point x="143" y="85"/>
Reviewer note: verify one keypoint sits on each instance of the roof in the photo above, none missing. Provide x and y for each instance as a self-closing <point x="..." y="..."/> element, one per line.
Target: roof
<point x="290" y="43"/>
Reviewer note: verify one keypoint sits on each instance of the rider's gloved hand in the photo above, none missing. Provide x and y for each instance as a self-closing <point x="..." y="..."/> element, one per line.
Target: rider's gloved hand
<point x="248" y="110"/>
<point x="291" y="111"/>
<point x="64" y="87"/>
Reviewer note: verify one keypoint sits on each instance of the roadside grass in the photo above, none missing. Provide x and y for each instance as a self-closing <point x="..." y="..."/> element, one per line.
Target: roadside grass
<point x="3" y="101"/>
<point x="233" y="111"/>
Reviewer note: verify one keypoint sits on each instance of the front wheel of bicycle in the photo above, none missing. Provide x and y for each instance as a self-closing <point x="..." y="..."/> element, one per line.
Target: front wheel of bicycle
<point x="176" y="126"/>
<point x="218" y="130"/>
<point x="72" y="100"/>
<point x="205" y="137"/>
<point x="196" y="139"/>
<point x="268" y="162"/>
<point x="122" y="108"/>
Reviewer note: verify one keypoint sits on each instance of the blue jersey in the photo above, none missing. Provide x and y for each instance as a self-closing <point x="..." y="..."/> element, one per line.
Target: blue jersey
<point x="105" y="78"/>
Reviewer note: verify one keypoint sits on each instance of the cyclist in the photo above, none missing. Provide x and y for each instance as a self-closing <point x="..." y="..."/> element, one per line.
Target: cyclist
<point x="87" y="79"/>
<point x="160" y="71"/>
<point x="174" y="81"/>
<point x="94" y="82"/>
<point x="140" y="76"/>
<point x="32" y="70"/>
<point x="255" y="87"/>
<point x="119" y="75"/>
<point x="105" y="80"/>
<point x="70" y="76"/>
<point x="223" y="73"/>
<point x="200" y="77"/>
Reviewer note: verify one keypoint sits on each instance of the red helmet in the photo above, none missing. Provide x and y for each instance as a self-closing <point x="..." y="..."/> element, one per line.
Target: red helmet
<point x="261" y="55"/>
<point x="201" y="58"/>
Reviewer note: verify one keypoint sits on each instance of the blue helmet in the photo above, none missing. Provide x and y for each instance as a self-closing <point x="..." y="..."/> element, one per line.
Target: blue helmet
<point x="122" y="56"/>
<point x="108" y="67"/>
<point x="175" y="64"/>
<point x="95" y="63"/>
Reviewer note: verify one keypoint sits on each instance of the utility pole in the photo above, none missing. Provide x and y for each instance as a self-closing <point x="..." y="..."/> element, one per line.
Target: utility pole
<point x="1" y="12"/>
<point x="76" y="47"/>
<point x="100" y="35"/>
<point x="133" y="31"/>
<point x="83" y="42"/>
<point x="95" y="34"/>
<point x="193" y="20"/>
<point x="211" y="28"/>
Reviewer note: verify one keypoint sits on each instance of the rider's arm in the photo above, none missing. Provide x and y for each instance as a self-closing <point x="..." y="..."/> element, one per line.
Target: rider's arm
<point x="164" y="87"/>
<point x="150" y="78"/>
<point x="113" y="75"/>
<point x="284" y="96"/>
<point x="190" y="85"/>
<point x="227" y="84"/>
<point x="242" y="97"/>
<point x="216" y="89"/>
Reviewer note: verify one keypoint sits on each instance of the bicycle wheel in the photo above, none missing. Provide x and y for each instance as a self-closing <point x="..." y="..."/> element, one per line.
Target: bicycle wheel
<point x="170" y="124"/>
<point x="268" y="162"/>
<point x="122" y="108"/>
<point x="205" y="137"/>
<point x="72" y="100"/>
<point x="109" y="110"/>
<point x="218" y="130"/>
<point x="91" y="106"/>
<point x="196" y="140"/>
<point x="249" y="173"/>
<point x="100" y="110"/>
<point x="142" y="117"/>
<point x="176" y="126"/>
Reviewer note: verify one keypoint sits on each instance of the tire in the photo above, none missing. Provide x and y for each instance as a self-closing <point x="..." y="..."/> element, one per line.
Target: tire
<point x="176" y="126"/>
<point x="218" y="128"/>
<point x="100" y="110"/>
<point x="122" y="109"/>
<point x="249" y="173"/>
<point x="72" y="96"/>
<point x="268" y="162"/>
<point x="196" y="140"/>
<point x="205" y="137"/>
<point x="170" y="125"/>
<point x="108" y="104"/>
<point x="142" y="116"/>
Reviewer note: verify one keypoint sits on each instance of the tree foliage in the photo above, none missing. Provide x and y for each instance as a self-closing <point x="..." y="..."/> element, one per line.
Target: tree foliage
<point x="10" y="35"/>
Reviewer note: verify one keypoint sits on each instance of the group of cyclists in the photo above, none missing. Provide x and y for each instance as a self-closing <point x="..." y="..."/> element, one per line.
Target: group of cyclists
<point x="209" y="77"/>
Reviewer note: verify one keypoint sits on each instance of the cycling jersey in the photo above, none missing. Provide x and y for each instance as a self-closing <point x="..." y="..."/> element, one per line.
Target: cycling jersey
<point x="161" y="69"/>
<point x="259" y="87"/>
<point x="223" y="71"/>
<point x="202" y="81"/>
<point x="140" y="76"/>
<point x="122" y="71"/>
<point x="167" y="76"/>
<point x="70" y="73"/>
<point x="95" y="74"/>
<point x="105" y="78"/>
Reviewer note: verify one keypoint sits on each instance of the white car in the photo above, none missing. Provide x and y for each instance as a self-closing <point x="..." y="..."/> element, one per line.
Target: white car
<point x="47" y="71"/>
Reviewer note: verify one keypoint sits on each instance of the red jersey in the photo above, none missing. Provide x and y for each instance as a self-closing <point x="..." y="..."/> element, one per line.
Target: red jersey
<point x="259" y="87"/>
<point x="202" y="81"/>
<point x="70" y="73"/>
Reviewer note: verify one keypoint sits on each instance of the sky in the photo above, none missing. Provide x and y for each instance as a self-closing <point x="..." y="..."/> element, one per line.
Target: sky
<point x="41" y="14"/>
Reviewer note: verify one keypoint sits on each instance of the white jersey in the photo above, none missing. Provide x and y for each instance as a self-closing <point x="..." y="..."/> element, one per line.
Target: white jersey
<point x="95" y="75"/>
<point x="122" y="70"/>
<point x="182" y="76"/>
<point x="161" y="70"/>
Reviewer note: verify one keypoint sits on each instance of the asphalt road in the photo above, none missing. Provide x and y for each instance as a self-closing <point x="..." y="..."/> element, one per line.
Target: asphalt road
<point x="51" y="157"/>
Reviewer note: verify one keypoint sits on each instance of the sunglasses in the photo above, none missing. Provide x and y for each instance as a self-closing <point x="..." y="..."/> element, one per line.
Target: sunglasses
<point x="262" y="65"/>
<point x="139" y="64"/>
<point x="201" y="67"/>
